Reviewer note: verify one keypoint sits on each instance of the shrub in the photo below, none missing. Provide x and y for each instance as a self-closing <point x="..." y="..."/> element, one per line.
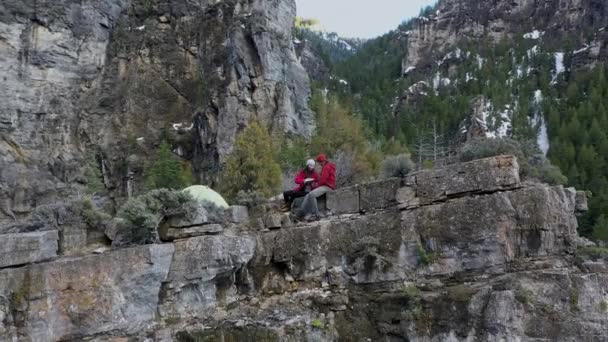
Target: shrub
<point x="252" y="166"/>
<point x="73" y="212"/>
<point x="412" y="293"/>
<point x="533" y="165"/>
<point x="168" y="171"/>
<point x="92" y="216"/>
<point x="574" y="297"/>
<point x="138" y="219"/>
<point x="93" y="175"/>
<point x="524" y="296"/>
<point x="425" y="258"/>
<point x="461" y="293"/>
<point x="316" y="323"/>
<point x="397" y="166"/>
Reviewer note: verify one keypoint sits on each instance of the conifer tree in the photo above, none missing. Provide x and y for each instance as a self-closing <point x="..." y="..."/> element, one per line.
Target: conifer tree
<point x="167" y="171"/>
<point x="252" y="166"/>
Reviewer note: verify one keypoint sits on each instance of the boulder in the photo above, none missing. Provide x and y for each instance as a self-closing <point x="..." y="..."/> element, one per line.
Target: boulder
<point x="378" y="195"/>
<point x="478" y="176"/>
<point x="197" y="218"/>
<point x="203" y="274"/>
<point x="239" y="214"/>
<point x="406" y="197"/>
<point x="26" y="248"/>
<point x="582" y="205"/>
<point x="183" y="233"/>
<point x="114" y="292"/>
<point x="273" y="221"/>
<point x="490" y="231"/>
<point x="343" y="201"/>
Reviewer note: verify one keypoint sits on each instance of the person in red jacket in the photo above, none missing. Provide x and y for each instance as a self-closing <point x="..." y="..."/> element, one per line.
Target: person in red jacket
<point x="326" y="183"/>
<point x="304" y="180"/>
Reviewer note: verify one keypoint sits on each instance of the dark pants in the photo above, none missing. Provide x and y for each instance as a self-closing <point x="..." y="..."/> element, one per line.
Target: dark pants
<point x="290" y="195"/>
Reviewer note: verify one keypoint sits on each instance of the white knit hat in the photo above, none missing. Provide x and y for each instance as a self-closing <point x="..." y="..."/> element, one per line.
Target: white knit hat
<point x="310" y="163"/>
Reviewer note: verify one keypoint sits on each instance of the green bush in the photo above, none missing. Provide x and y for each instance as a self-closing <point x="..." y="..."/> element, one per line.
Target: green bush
<point x="168" y="171"/>
<point x="397" y="166"/>
<point x="293" y="153"/>
<point x="574" y="298"/>
<point x="317" y="323"/>
<point x="252" y="166"/>
<point x="92" y="216"/>
<point x="138" y="219"/>
<point x="461" y="293"/>
<point x="425" y="258"/>
<point x="93" y="175"/>
<point x="532" y="164"/>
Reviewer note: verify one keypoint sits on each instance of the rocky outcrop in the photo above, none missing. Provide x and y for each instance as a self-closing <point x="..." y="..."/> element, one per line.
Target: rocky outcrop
<point x="484" y="257"/>
<point x="461" y="21"/>
<point x="93" y="87"/>
<point x="27" y="248"/>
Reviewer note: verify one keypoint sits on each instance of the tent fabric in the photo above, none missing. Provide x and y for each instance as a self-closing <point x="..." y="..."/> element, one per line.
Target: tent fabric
<point x="203" y="193"/>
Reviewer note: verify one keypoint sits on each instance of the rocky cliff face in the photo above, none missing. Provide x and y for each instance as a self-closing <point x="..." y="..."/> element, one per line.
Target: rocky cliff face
<point x="107" y="81"/>
<point x="458" y="254"/>
<point x="468" y="21"/>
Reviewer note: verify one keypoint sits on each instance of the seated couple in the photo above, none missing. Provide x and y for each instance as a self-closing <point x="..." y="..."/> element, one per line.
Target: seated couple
<point x="311" y="186"/>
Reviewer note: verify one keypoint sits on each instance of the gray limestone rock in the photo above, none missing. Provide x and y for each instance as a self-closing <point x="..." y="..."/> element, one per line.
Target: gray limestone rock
<point x="183" y="233"/>
<point x="26" y="248"/>
<point x="478" y="176"/>
<point x="77" y="297"/>
<point x="344" y="201"/>
<point x="202" y="274"/>
<point x="378" y="195"/>
<point x="239" y="214"/>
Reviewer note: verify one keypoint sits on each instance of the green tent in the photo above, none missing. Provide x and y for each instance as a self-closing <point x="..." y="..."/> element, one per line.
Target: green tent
<point x="203" y="193"/>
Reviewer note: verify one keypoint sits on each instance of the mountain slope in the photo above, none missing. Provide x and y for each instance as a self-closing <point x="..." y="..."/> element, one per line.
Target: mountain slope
<point x="538" y="65"/>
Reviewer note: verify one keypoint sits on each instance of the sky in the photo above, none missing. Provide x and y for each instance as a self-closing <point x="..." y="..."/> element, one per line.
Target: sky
<point x="360" y="18"/>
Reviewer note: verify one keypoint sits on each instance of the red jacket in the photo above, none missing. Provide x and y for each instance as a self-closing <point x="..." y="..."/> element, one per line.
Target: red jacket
<point x="302" y="176"/>
<point x="328" y="176"/>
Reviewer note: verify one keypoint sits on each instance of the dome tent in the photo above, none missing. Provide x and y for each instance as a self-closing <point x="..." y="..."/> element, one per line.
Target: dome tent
<point x="203" y="193"/>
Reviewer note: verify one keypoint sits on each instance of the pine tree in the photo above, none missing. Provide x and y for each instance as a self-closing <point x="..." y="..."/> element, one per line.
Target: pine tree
<point x="167" y="171"/>
<point x="252" y="166"/>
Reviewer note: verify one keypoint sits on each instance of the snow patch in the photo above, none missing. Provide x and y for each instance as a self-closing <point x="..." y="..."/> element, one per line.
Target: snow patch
<point x="505" y="122"/>
<point x="533" y="51"/>
<point x="345" y="82"/>
<point x="543" y="137"/>
<point x="140" y="28"/>
<point x="456" y="54"/>
<point x="296" y="41"/>
<point x="409" y="69"/>
<point x="559" y="66"/>
<point x="536" y="34"/>
<point x="587" y="47"/>
<point x="538" y="97"/>
<point x="480" y="62"/>
<point x="180" y="126"/>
